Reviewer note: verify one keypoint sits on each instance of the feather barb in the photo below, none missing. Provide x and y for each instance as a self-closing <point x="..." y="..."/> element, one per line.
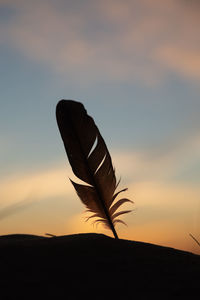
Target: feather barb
<point x="91" y="162"/>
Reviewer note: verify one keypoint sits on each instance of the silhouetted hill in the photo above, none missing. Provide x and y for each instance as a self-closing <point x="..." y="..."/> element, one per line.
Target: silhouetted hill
<point x="94" y="266"/>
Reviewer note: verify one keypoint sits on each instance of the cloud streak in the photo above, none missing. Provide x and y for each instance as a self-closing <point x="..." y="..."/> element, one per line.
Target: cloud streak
<point x="47" y="183"/>
<point x="162" y="162"/>
<point x="114" y="40"/>
<point x="15" y="208"/>
<point x="158" y="203"/>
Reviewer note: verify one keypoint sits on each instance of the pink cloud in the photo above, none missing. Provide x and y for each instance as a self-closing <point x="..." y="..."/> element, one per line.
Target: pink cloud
<point x="186" y="62"/>
<point x="114" y="40"/>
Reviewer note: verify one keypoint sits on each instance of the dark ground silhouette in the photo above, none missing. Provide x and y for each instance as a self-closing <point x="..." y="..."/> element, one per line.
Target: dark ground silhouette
<point x="94" y="266"/>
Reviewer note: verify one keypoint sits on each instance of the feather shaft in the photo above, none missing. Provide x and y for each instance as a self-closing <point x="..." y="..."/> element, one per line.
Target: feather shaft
<point x="90" y="161"/>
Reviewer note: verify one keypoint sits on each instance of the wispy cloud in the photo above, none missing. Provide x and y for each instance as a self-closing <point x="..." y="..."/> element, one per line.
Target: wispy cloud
<point x="14" y="208"/>
<point x="158" y="203"/>
<point x="114" y="40"/>
<point x="186" y="62"/>
<point x="165" y="161"/>
<point x="135" y="168"/>
<point x="34" y="186"/>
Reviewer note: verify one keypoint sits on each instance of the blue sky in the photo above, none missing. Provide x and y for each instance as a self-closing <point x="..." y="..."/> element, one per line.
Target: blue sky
<point x="136" y="67"/>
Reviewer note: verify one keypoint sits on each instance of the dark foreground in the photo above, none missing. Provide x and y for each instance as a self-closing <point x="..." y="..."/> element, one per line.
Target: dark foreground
<point x="94" y="266"/>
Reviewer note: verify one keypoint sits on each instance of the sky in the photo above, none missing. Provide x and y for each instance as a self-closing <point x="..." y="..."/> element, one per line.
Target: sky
<point x="135" y="65"/>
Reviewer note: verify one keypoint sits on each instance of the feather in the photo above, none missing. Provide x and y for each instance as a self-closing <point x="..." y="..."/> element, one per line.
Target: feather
<point x="91" y="162"/>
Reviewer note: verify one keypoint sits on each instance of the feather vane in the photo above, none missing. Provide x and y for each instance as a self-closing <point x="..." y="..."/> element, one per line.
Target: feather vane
<point x="91" y="162"/>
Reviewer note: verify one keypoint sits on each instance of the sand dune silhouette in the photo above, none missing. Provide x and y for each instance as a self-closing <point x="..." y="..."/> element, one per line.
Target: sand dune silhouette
<point x="93" y="265"/>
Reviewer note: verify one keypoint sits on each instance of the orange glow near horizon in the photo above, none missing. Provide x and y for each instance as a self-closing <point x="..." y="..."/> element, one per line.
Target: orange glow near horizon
<point x="135" y="65"/>
<point x="156" y="217"/>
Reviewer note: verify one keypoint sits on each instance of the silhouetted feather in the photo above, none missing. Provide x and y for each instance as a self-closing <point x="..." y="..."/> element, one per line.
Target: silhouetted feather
<point x="93" y="165"/>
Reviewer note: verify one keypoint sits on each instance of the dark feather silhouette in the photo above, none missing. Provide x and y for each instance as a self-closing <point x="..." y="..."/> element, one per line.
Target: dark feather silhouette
<point x="93" y="166"/>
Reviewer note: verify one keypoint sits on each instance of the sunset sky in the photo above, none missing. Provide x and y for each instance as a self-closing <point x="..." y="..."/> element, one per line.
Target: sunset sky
<point x="135" y="65"/>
